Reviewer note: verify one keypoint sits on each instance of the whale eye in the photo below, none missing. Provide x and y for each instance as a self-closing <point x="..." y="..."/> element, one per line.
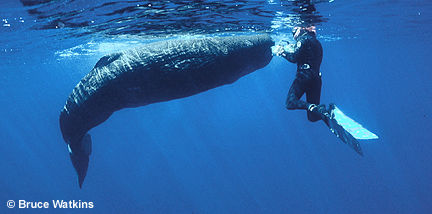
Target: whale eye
<point x="69" y="149"/>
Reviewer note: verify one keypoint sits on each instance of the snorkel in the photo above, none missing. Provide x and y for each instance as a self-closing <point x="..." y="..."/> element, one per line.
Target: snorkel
<point x="300" y="31"/>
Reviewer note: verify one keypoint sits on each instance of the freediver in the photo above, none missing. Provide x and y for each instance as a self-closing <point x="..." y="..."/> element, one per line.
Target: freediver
<point x="307" y="53"/>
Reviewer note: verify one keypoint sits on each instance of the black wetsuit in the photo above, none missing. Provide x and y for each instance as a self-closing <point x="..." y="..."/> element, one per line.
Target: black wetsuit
<point x="308" y="55"/>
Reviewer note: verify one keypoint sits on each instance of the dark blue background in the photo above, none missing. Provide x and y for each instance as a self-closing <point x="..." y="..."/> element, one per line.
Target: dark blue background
<point x="234" y="149"/>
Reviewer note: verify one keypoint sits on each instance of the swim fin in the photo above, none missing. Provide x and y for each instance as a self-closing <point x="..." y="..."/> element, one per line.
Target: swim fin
<point x="351" y="126"/>
<point x="340" y="131"/>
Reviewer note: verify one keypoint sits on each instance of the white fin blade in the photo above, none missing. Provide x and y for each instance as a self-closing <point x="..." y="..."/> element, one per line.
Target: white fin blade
<point x="351" y="126"/>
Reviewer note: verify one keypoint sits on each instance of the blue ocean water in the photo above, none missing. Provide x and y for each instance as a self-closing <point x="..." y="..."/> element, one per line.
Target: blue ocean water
<point x="233" y="149"/>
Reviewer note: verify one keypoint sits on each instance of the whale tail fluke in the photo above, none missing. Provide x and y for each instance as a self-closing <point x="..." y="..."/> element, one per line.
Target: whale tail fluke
<point x="86" y="144"/>
<point x="79" y="155"/>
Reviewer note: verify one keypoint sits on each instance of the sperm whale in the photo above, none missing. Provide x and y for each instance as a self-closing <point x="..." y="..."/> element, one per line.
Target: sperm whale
<point x="156" y="72"/>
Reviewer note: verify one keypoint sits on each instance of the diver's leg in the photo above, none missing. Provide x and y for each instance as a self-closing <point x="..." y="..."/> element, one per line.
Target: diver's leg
<point x="294" y="94"/>
<point x="313" y="95"/>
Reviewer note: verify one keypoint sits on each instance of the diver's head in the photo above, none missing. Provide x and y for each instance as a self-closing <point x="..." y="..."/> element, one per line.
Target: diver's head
<point x="300" y="31"/>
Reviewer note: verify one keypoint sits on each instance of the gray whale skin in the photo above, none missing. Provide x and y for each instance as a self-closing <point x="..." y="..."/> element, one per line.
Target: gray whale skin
<point x="155" y="72"/>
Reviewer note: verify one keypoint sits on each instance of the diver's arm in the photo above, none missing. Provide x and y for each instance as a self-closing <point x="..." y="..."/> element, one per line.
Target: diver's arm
<point x="293" y="54"/>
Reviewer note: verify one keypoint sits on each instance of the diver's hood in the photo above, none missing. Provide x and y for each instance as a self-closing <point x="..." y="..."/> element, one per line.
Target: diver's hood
<point x="305" y="34"/>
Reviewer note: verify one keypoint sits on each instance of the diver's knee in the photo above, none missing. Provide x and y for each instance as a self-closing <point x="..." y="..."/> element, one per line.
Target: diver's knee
<point x="314" y="119"/>
<point x="290" y="105"/>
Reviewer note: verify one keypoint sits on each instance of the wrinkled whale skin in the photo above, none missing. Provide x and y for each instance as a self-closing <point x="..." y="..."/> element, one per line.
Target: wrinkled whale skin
<point x="157" y="72"/>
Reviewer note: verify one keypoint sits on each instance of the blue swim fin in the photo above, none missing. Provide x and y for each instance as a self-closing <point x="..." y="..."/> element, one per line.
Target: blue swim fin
<point x="347" y="129"/>
<point x="345" y="136"/>
<point x="351" y="126"/>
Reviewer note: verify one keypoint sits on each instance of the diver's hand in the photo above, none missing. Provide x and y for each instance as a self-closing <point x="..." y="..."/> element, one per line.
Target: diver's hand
<point x="279" y="50"/>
